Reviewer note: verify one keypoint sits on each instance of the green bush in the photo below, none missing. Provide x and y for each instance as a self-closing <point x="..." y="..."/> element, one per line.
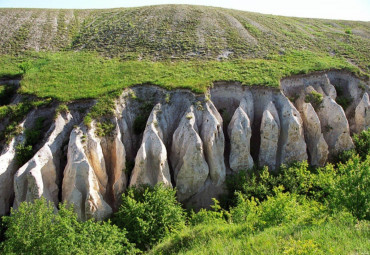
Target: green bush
<point x="23" y="153"/>
<point x="350" y="188"/>
<point x="362" y="143"/>
<point x="217" y="214"/>
<point x="36" y="229"/>
<point x="282" y="208"/>
<point x="149" y="214"/>
<point x="315" y="98"/>
<point x="2" y="231"/>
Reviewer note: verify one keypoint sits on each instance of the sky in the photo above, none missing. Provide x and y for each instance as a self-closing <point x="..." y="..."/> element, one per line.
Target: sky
<point x="329" y="9"/>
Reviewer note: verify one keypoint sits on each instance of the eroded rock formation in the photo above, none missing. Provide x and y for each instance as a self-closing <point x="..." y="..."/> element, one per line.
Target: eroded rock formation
<point x="183" y="140"/>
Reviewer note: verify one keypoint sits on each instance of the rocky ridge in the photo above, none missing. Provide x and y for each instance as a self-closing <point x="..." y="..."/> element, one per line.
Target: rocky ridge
<point x="189" y="141"/>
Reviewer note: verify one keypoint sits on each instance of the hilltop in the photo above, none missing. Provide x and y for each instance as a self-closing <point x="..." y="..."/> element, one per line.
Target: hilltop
<point x="180" y="32"/>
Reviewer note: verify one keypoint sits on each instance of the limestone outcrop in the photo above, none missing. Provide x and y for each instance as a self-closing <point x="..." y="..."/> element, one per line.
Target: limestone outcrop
<point x="316" y="144"/>
<point x="187" y="157"/>
<point x="362" y="114"/>
<point x="84" y="185"/>
<point x="181" y="139"/>
<point x="151" y="164"/>
<point x="240" y="132"/>
<point x="292" y="146"/>
<point x="40" y="176"/>
<point x="270" y="131"/>
<point x="334" y="125"/>
<point x="214" y="143"/>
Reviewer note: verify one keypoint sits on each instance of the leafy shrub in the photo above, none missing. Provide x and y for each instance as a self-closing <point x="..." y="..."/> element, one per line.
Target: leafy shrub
<point x="2" y="231"/>
<point x="349" y="189"/>
<point x="314" y="98"/>
<point x="23" y="153"/>
<point x="209" y="216"/>
<point x="104" y="128"/>
<point x="282" y="208"/>
<point x="253" y="183"/>
<point x="35" y="229"/>
<point x="362" y="143"/>
<point x="149" y="214"/>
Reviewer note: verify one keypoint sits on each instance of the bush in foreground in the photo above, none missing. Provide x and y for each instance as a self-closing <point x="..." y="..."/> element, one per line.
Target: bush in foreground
<point x="149" y="214"/>
<point x="36" y="229"/>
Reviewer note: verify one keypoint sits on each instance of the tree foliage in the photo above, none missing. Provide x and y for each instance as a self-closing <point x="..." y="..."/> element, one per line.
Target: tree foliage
<point x="149" y="214"/>
<point x="35" y="228"/>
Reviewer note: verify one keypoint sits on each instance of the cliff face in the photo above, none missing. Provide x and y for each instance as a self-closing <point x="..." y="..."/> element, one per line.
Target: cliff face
<point x="191" y="142"/>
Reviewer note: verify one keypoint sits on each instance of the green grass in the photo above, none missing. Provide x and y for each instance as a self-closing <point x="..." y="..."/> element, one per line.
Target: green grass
<point x="223" y="238"/>
<point x="69" y="76"/>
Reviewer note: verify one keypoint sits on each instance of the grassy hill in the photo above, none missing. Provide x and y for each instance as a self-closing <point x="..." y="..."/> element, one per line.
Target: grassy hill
<point x="180" y="32"/>
<point x="74" y="54"/>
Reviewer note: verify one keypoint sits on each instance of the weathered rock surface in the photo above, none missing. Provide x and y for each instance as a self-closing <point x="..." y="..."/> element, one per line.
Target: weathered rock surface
<point x="240" y="132"/>
<point x="151" y="165"/>
<point x="40" y="176"/>
<point x="82" y="186"/>
<point x="214" y="143"/>
<point x="183" y="143"/>
<point x="270" y="130"/>
<point x="8" y="167"/>
<point x="317" y="146"/>
<point x="335" y="126"/>
<point x="115" y="161"/>
<point x="292" y="146"/>
<point x="187" y="158"/>
<point x="362" y="114"/>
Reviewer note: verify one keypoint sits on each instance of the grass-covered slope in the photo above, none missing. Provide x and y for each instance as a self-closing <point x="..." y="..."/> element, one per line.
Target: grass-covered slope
<point x="180" y="31"/>
<point x="74" y="54"/>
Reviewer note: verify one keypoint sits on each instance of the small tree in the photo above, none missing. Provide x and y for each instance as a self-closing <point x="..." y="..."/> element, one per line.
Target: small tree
<point x="36" y="229"/>
<point x="149" y="214"/>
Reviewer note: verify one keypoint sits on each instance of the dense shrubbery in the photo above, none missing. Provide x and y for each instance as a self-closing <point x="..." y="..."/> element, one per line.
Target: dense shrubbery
<point x="299" y="210"/>
<point x="149" y="214"/>
<point x="36" y="229"/>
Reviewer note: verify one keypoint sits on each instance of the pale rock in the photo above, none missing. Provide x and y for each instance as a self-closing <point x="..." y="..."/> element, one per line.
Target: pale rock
<point x="115" y="160"/>
<point x="328" y="88"/>
<point x="247" y="104"/>
<point x="187" y="158"/>
<point x="8" y="167"/>
<point x="270" y="130"/>
<point x="240" y="132"/>
<point x="362" y="114"/>
<point x="214" y="143"/>
<point x="40" y="175"/>
<point x="151" y="165"/>
<point x="81" y="186"/>
<point x="335" y="126"/>
<point x="292" y="146"/>
<point x="316" y="144"/>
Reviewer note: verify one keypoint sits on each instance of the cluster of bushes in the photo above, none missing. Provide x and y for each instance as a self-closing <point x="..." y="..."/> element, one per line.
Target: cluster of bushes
<point x="297" y="198"/>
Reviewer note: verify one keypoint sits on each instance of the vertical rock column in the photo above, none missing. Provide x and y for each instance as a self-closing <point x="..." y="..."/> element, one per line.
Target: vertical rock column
<point x="187" y="158"/>
<point x="115" y="161"/>
<point x="84" y="186"/>
<point x="151" y="165"/>
<point x="39" y="176"/>
<point x="214" y="143"/>
<point x="292" y="146"/>
<point x="240" y="132"/>
<point x="317" y="146"/>
<point x="362" y="114"/>
<point x="270" y="130"/>
<point x="335" y="126"/>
